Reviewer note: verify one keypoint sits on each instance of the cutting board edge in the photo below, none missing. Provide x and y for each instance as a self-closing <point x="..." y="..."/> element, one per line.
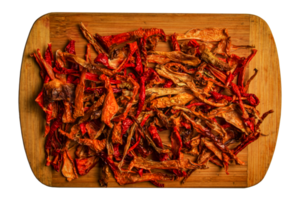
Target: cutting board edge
<point x="34" y="173"/>
<point x="268" y="25"/>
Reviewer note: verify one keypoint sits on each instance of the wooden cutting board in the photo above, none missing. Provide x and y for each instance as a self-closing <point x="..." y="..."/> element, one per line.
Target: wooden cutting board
<point x="59" y="28"/>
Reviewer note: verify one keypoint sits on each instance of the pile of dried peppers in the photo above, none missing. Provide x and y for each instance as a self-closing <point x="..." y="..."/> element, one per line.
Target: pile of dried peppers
<point x="112" y="108"/>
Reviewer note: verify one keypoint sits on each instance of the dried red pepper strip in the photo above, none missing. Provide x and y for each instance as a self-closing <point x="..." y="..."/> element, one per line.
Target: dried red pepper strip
<point x="135" y="145"/>
<point x="49" y="55"/>
<point x="194" y="44"/>
<point x="83" y="128"/>
<point x="236" y="90"/>
<point x="241" y="76"/>
<point x="142" y="96"/>
<point x="117" y="154"/>
<point x="84" y="165"/>
<point x="168" y="84"/>
<point x="59" y="70"/>
<point x="154" y="135"/>
<point x="195" y="104"/>
<point x="132" y="49"/>
<point x="102" y="59"/>
<point x="56" y="163"/>
<point x="138" y="62"/>
<point x="217" y="73"/>
<point x="185" y="125"/>
<point x="250" y="139"/>
<point x="250" y="123"/>
<point x="176" y="142"/>
<point x="229" y="79"/>
<point x="219" y="96"/>
<point x="54" y="126"/>
<point x="125" y="125"/>
<point x="174" y="43"/>
<point x="142" y="47"/>
<point x="251" y="98"/>
<point x="70" y="48"/>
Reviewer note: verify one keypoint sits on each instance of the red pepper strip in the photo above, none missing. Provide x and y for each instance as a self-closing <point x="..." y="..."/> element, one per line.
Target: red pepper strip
<point x="179" y="173"/>
<point x="142" y="96"/>
<point x="40" y="101"/>
<point x="135" y="145"/>
<point x="229" y="79"/>
<point x="236" y="90"/>
<point x="57" y="160"/>
<point x="125" y="125"/>
<point x="70" y="48"/>
<point x="222" y="59"/>
<point x="48" y="55"/>
<point x="140" y="172"/>
<point x="54" y="126"/>
<point x="151" y="74"/>
<point x="84" y="165"/>
<point x="83" y="128"/>
<point x="218" y="96"/>
<point x="262" y="118"/>
<point x="61" y="70"/>
<point x="168" y="84"/>
<point x="217" y="73"/>
<point x="138" y="61"/>
<point x="250" y="123"/>
<point x="226" y="125"/>
<point x="139" y="137"/>
<point x="71" y="78"/>
<point x="174" y="43"/>
<point x="143" y="151"/>
<point x="246" y="142"/>
<point x="132" y="49"/>
<point x="46" y="65"/>
<point x="157" y="184"/>
<point x="241" y="76"/>
<point x="154" y="135"/>
<point x="195" y="104"/>
<point x="142" y="46"/>
<point x="251" y="98"/>
<point x="117" y="154"/>
<point x="176" y="143"/>
<point x="102" y="59"/>
<point x="214" y="119"/>
<point x="185" y="125"/>
<point x="194" y="44"/>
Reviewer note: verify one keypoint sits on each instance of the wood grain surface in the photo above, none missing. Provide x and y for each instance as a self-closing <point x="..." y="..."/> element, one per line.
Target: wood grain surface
<point x="59" y="28"/>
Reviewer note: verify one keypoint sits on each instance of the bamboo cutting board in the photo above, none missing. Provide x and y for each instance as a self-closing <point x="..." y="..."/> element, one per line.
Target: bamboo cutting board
<point x="59" y="28"/>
